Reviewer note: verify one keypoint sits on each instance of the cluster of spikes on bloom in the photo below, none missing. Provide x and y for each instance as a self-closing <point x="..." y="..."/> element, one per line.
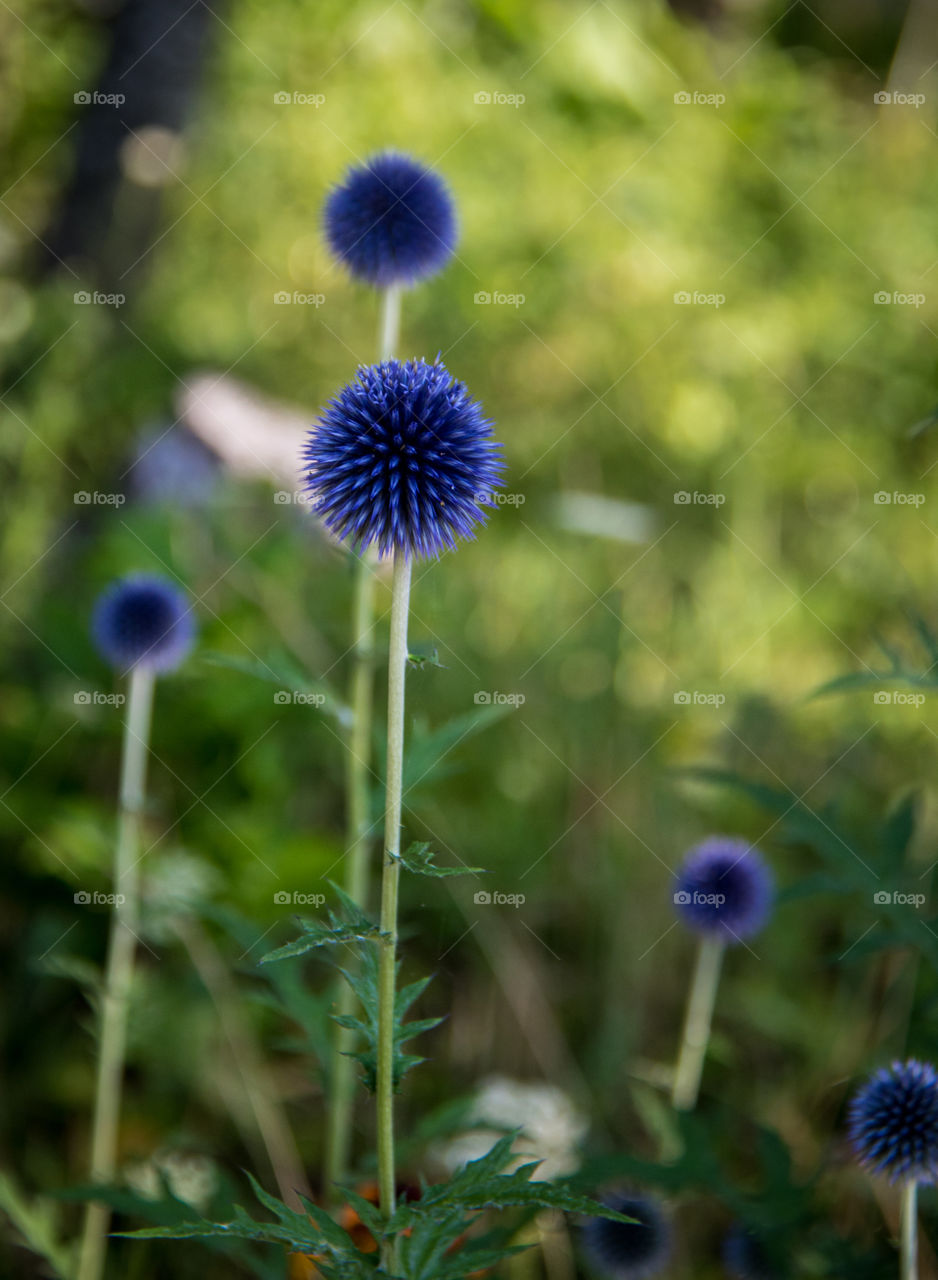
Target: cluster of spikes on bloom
<point x="143" y="620"/>
<point x="403" y="459"/>
<point x="724" y="888"/>
<point x="391" y="221"/>
<point x="893" y="1122"/>
<point x="629" y="1250"/>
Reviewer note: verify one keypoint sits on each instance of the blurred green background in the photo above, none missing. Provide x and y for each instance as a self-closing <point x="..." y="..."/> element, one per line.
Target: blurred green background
<point x="710" y="352"/>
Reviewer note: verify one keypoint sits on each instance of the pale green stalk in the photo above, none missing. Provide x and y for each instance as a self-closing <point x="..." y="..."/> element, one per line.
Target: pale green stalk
<point x="909" y="1231"/>
<point x="703" y="993"/>
<point x="118" y="976"/>
<point x="357" y="791"/>
<point x="397" y="665"/>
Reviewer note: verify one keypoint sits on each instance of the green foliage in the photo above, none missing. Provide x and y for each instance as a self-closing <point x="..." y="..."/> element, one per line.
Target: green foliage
<point x="364" y="982"/>
<point x="344" y="927"/>
<point x="428" y="1233"/>
<point x="37" y="1224"/>
<point x="418" y="859"/>
<point x="899" y="671"/>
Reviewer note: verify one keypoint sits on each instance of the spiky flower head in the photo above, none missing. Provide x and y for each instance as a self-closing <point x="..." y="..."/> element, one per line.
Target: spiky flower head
<point x="143" y="619"/>
<point x="724" y="889"/>
<point x="893" y="1122"/>
<point x="402" y="458"/>
<point x="629" y="1250"/>
<point x="391" y="221"/>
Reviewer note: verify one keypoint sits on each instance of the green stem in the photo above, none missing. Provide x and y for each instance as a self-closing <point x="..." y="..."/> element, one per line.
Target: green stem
<point x="703" y="993"/>
<point x="358" y="811"/>
<point x="909" y="1231"/>
<point x="397" y="665"/>
<point x="118" y="976"/>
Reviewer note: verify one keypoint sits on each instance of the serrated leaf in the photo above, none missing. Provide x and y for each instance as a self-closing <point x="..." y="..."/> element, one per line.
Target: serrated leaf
<point x="347" y="926"/>
<point x="480" y="1185"/>
<point x="418" y="859"/>
<point x="365" y="985"/>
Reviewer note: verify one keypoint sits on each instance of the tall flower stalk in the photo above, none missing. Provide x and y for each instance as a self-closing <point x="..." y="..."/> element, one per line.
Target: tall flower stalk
<point x="390" y="881"/>
<point x="391" y="222"/>
<point x="401" y="460"/>
<point x="893" y="1126"/>
<point x="142" y="623"/>
<point x="723" y="893"/>
<point x="358" y="805"/>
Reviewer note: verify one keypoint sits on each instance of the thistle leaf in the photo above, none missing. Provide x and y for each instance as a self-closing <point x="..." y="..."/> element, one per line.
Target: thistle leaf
<point x="418" y="859"/>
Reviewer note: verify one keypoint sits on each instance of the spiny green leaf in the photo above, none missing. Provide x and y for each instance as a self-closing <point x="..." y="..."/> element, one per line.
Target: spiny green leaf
<point x="480" y="1185"/>
<point x="418" y="859"/>
<point x="365" y="985"/>
<point x="347" y="926"/>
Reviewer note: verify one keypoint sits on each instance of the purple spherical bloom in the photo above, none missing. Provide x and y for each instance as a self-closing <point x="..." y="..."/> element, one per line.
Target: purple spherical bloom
<point x="629" y="1250"/>
<point x="724" y="888"/>
<point x="893" y="1122"/>
<point x="143" y="619"/>
<point x="402" y="458"/>
<point x="391" y="221"/>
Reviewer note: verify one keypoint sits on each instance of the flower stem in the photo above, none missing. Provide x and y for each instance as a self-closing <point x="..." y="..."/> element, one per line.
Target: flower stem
<point x="700" y="1004"/>
<point x="909" y="1231"/>
<point x="389" y="332"/>
<point x="358" y="810"/>
<point x="397" y="664"/>
<point x="118" y="976"/>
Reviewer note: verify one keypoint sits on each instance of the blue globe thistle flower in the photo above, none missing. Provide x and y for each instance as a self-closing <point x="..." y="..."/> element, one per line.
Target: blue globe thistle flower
<point x="143" y="619"/>
<point x="746" y="1257"/>
<point x="893" y="1122"/>
<point x="724" y="888"/>
<point x="629" y="1250"/>
<point x="391" y="221"/>
<point x="402" y="458"/>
